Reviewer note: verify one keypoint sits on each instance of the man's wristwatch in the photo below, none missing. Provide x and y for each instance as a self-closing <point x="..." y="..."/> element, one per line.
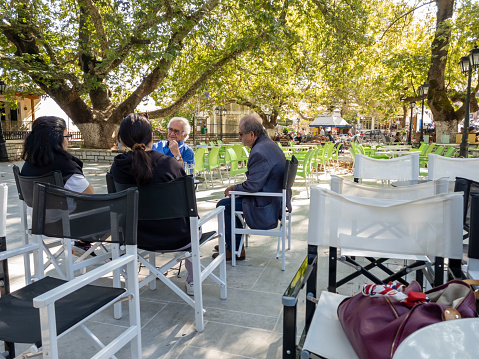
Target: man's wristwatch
<point x="178" y="158"/>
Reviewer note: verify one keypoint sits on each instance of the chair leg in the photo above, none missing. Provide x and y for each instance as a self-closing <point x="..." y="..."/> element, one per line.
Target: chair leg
<point x="115" y="253"/>
<point x="289" y="230"/>
<point x="221" y="176"/>
<point x="152" y="260"/>
<point x="307" y="185"/>
<point x="67" y="243"/>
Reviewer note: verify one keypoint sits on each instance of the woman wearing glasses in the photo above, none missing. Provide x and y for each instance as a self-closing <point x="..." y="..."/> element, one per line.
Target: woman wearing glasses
<point x="45" y="150"/>
<point x="178" y="130"/>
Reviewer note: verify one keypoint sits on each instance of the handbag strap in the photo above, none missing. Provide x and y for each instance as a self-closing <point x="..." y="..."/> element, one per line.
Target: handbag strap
<point x="473" y="282"/>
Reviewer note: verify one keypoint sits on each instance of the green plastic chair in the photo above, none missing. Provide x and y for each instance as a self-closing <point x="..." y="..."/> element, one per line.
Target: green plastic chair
<point x="233" y="162"/>
<point x="421" y="147"/>
<point x="213" y="162"/>
<point x="423" y="161"/>
<point x="450" y="152"/>
<point x="335" y="155"/>
<point x="241" y="153"/>
<point x="426" y="152"/>
<point x="199" y="162"/>
<point x="304" y="169"/>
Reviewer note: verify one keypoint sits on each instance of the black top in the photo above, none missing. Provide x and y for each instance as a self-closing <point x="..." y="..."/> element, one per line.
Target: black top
<point x="159" y="234"/>
<point x="67" y="164"/>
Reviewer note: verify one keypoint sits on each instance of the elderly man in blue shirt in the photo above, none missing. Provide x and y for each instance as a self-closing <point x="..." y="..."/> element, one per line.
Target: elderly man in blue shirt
<point x="175" y="146"/>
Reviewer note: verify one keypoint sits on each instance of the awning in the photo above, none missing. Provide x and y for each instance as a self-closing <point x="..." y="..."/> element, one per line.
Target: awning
<point x="329" y="121"/>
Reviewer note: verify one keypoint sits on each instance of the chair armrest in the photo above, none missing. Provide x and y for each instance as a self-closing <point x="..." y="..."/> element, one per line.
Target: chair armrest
<point x="79" y="282"/>
<point x="210" y="215"/>
<point x="262" y="194"/>
<point x="290" y="301"/>
<point x="290" y="295"/>
<point x="28" y="248"/>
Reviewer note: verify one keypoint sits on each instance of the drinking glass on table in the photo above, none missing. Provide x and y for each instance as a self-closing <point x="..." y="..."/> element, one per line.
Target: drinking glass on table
<point x="189" y="169"/>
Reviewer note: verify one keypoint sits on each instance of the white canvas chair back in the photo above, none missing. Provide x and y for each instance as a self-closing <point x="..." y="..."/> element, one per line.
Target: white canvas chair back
<point x="350" y="188"/>
<point x="395" y="169"/>
<point x="429" y="226"/>
<point x="439" y="166"/>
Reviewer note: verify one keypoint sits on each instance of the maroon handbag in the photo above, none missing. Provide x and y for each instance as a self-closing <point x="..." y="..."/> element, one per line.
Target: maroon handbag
<point x="376" y="326"/>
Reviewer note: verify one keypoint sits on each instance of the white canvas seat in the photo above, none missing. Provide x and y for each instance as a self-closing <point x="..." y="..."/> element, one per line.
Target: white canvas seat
<point x="394" y="169"/>
<point x="440" y="166"/>
<point x="48" y="308"/>
<point x="430" y="226"/>
<point x="179" y="194"/>
<point x="284" y="229"/>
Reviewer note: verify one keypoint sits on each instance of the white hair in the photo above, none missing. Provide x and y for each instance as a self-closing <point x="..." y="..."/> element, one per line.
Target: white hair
<point x="186" y="125"/>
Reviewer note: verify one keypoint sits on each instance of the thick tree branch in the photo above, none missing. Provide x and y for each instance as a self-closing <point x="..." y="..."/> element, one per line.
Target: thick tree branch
<point x="98" y="23"/>
<point x="176" y="38"/>
<point x="403" y="15"/>
<point x="192" y="89"/>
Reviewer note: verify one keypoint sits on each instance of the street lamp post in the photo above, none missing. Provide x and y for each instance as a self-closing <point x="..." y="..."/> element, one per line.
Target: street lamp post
<point x="468" y="63"/>
<point x="411" y="106"/>
<point x="3" y="147"/>
<point x="221" y="112"/>
<point x="423" y="90"/>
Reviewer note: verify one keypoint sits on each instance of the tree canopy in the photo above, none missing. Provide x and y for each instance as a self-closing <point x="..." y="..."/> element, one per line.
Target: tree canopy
<point x="98" y="59"/>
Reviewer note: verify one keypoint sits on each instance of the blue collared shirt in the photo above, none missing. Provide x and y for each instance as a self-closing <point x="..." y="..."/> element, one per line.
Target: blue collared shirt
<point x="185" y="151"/>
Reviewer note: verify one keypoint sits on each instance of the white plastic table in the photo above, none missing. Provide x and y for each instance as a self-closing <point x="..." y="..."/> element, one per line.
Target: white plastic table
<point x="451" y="339"/>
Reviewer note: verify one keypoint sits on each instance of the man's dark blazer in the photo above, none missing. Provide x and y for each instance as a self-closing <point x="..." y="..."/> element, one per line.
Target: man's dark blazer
<point x="266" y="166"/>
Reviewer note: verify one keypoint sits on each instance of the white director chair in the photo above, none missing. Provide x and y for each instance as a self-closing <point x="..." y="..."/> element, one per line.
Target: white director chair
<point x="284" y="229"/>
<point x="45" y="310"/>
<point x="394" y="169"/>
<point x="440" y="166"/>
<point x="420" y="264"/>
<point x="430" y="226"/>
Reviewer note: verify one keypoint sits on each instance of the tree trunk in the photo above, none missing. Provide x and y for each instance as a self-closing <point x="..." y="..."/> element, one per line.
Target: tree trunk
<point x="441" y="107"/>
<point x="3" y="147"/>
<point x="99" y="134"/>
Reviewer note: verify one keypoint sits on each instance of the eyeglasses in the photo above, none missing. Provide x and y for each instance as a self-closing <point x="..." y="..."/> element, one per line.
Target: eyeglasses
<point x="67" y="136"/>
<point x="241" y="134"/>
<point x="177" y="132"/>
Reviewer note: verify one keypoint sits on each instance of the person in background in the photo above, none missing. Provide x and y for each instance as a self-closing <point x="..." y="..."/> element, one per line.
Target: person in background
<point x="45" y="150"/>
<point x="178" y="131"/>
<point x="266" y="168"/>
<point x="330" y="137"/>
<point x="142" y="166"/>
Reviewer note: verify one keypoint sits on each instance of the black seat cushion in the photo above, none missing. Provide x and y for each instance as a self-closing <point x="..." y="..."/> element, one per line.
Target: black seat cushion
<point x="160" y="249"/>
<point x="20" y="320"/>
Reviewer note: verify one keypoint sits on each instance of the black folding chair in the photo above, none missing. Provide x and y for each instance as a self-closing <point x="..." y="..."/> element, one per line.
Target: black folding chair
<point x="25" y="194"/>
<point x="173" y="200"/>
<point x="47" y="309"/>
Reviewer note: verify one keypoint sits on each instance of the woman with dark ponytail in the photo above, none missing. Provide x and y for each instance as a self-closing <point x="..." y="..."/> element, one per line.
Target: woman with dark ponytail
<point x="142" y="166"/>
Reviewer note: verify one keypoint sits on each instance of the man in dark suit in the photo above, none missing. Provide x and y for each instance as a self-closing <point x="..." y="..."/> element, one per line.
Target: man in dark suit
<point x="266" y="167"/>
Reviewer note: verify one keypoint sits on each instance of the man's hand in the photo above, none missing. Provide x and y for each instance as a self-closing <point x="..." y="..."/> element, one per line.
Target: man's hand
<point x="227" y="191"/>
<point x="173" y="146"/>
